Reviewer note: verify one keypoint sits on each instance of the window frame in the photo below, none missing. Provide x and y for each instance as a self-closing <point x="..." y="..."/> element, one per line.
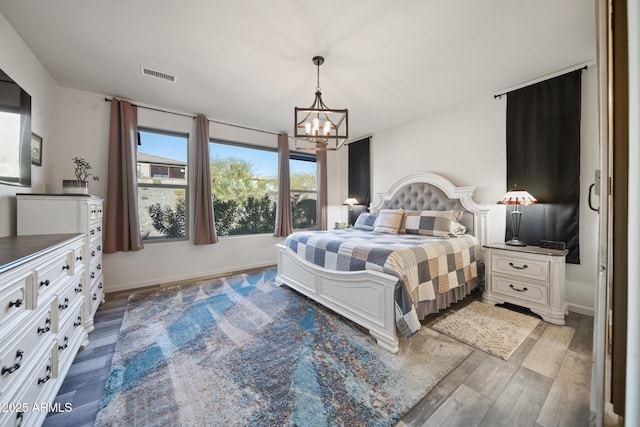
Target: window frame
<point x="184" y="187"/>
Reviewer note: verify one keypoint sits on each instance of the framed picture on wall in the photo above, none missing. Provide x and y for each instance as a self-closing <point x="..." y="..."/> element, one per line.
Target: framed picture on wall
<point x="36" y="149"/>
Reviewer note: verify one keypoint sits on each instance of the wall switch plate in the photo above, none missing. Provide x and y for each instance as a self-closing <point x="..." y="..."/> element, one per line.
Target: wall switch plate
<point x="552" y="244"/>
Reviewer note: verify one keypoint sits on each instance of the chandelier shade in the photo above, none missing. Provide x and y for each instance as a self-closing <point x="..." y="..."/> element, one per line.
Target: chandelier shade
<point x="318" y="127"/>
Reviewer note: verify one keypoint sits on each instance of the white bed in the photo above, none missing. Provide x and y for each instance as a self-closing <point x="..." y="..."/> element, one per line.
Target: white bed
<point x="366" y="297"/>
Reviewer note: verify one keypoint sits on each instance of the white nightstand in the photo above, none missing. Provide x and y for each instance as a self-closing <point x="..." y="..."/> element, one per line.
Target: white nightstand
<point x="527" y="276"/>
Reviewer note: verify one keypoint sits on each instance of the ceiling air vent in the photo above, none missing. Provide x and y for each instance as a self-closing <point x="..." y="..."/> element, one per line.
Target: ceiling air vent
<point x="157" y="74"/>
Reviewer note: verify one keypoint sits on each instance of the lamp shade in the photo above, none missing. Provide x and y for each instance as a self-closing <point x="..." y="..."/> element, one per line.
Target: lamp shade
<point x="518" y="196"/>
<point x="350" y="201"/>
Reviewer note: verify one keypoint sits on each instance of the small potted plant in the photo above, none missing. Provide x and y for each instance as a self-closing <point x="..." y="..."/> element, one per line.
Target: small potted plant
<point x="80" y="185"/>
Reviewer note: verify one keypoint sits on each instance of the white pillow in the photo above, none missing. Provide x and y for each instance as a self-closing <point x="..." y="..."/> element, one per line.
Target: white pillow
<point x="388" y="221"/>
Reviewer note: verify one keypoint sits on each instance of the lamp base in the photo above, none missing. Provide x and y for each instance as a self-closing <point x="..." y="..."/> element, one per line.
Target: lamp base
<point x="516" y="242"/>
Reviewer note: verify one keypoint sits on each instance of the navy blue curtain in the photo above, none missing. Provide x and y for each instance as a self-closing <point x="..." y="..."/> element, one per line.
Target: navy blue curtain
<point x="543" y="157"/>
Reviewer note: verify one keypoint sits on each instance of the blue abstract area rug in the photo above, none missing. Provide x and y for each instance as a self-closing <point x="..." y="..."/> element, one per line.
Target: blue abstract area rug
<point x="241" y="351"/>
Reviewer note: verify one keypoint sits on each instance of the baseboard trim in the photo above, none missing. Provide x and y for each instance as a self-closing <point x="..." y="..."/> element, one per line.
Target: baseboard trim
<point x="587" y="311"/>
<point x="183" y="278"/>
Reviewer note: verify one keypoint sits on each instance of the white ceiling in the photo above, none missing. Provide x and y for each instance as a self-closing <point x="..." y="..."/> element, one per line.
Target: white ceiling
<point x="249" y="62"/>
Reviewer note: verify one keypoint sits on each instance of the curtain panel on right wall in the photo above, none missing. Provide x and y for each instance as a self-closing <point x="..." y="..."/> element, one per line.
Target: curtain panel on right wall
<point x="543" y="157"/>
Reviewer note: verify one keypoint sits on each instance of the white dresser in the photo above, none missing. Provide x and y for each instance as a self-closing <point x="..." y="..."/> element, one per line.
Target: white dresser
<point x="527" y="276"/>
<point x="61" y="213"/>
<point x="41" y="328"/>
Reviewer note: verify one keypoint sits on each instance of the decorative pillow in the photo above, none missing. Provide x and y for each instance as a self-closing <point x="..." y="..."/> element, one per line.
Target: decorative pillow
<point x="365" y="221"/>
<point x="430" y="223"/>
<point x="388" y="221"/>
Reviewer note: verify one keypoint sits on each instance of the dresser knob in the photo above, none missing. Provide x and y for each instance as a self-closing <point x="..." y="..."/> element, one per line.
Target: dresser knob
<point x="79" y="288"/>
<point x="95" y="297"/>
<point x="47" y="377"/>
<point x="99" y="267"/>
<point x="65" y="345"/>
<point x="78" y="323"/>
<point x="79" y="258"/>
<point x="45" y="283"/>
<point x="45" y="328"/>
<point x="64" y="305"/>
<point x="16" y="303"/>
<point x="16" y="366"/>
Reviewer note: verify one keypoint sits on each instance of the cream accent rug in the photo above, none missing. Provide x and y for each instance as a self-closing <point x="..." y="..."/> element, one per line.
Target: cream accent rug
<point x="494" y="330"/>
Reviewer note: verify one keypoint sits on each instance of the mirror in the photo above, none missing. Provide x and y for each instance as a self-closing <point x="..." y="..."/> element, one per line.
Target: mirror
<point x="15" y="133"/>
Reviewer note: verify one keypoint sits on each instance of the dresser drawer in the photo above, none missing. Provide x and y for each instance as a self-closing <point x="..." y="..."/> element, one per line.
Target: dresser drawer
<point x="95" y="210"/>
<point x="69" y="339"/>
<point x="54" y="272"/>
<point x="527" y="267"/>
<point x="95" y="231"/>
<point x="28" y="406"/>
<point x="97" y="294"/>
<point x="25" y="343"/>
<point x="69" y="298"/>
<point x="524" y="290"/>
<point x="95" y="251"/>
<point x="13" y="298"/>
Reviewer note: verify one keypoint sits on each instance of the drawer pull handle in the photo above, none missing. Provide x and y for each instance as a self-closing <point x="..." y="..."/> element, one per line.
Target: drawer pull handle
<point x="518" y="290"/>
<point x="45" y="283"/>
<point x="519" y="267"/>
<point x="79" y="258"/>
<point x="16" y="303"/>
<point x="79" y="288"/>
<point x="92" y="232"/>
<point x="78" y="323"/>
<point x="95" y="297"/>
<point x="66" y="344"/>
<point x="100" y="285"/>
<point x="93" y="275"/>
<point x="99" y="248"/>
<point x="19" y="417"/>
<point x="65" y="267"/>
<point x="15" y="367"/>
<point x="99" y="228"/>
<point x="47" y="378"/>
<point x="46" y="328"/>
<point x="99" y="267"/>
<point x="93" y="253"/>
<point x="64" y="305"/>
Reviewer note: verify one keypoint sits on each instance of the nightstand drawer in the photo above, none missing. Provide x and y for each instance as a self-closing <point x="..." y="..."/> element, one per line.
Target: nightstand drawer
<point x="520" y="289"/>
<point x="526" y="267"/>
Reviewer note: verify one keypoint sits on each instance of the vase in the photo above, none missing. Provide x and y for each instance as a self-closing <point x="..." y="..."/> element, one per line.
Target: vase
<point x="73" y="186"/>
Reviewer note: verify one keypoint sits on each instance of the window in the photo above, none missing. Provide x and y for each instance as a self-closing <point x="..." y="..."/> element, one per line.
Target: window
<point x="304" y="190"/>
<point x="244" y="186"/>
<point x="162" y="185"/>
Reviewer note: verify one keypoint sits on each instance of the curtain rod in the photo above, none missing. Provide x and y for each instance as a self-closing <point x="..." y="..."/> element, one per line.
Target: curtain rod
<point x="193" y="117"/>
<point x="542" y="78"/>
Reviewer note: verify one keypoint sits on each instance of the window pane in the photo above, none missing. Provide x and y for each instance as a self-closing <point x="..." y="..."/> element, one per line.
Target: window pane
<point x="244" y="189"/>
<point x="162" y="185"/>
<point x="304" y="192"/>
<point x="162" y="158"/>
<point x="163" y="213"/>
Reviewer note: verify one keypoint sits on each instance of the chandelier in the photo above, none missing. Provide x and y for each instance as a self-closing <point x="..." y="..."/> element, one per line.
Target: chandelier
<point x="319" y="127"/>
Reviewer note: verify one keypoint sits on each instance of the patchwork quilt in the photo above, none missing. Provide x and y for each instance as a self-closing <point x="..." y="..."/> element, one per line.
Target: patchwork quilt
<point x="422" y="264"/>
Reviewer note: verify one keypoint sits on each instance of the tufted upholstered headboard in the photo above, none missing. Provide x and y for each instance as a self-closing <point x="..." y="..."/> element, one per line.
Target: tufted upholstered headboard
<point x="428" y="191"/>
<point x="421" y="196"/>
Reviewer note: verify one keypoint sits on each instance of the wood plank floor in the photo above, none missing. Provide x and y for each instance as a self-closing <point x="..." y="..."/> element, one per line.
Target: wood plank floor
<point x="546" y="382"/>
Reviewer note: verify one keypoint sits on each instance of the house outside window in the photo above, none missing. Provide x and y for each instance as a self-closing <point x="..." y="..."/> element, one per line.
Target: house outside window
<point x="244" y="187"/>
<point x="163" y="185"/>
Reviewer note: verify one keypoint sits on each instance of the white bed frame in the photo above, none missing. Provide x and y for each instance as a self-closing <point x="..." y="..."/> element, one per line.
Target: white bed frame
<point x="367" y="297"/>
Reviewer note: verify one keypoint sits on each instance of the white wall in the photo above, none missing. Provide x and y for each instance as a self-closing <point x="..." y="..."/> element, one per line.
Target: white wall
<point x="17" y="60"/>
<point x="467" y="145"/>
